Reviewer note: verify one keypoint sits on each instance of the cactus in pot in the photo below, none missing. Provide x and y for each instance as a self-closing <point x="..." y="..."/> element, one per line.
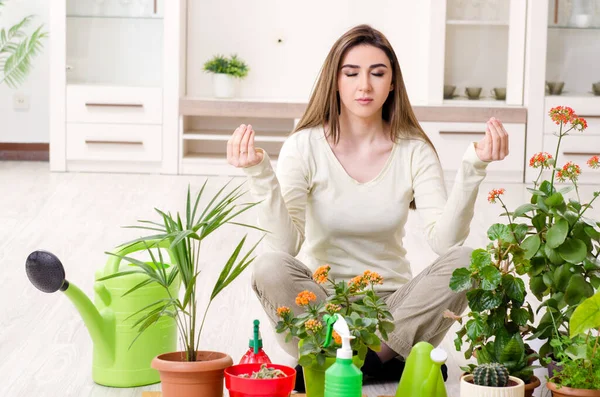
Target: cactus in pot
<point x="491" y="380"/>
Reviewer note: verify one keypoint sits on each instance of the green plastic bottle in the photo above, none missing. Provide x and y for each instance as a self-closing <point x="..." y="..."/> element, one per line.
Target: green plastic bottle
<point x="343" y="378"/>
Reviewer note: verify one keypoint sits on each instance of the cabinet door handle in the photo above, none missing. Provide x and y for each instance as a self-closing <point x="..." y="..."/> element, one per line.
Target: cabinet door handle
<point x="589" y="116"/>
<point x="462" y="132"/>
<point x="93" y="142"/>
<point x="119" y="105"/>
<point x="155" y="6"/>
<point x="581" y="153"/>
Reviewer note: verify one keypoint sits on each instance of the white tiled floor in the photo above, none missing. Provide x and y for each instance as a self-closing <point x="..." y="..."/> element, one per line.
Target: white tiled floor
<point x="45" y="349"/>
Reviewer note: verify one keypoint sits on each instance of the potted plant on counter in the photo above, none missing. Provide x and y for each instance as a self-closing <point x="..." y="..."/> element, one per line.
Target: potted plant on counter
<point x="364" y="311"/>
<point x="579" y="375"/>
<point x="225" y="71"/>
<point x="191" y="372"/>
<point x="491" y="380"/>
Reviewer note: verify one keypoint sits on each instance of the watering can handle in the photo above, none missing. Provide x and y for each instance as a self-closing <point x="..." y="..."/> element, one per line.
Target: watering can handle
<point x="112" y="265"/>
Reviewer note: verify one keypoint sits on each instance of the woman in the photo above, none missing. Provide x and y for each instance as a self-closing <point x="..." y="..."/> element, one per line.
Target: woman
<point x="346" y="178"/>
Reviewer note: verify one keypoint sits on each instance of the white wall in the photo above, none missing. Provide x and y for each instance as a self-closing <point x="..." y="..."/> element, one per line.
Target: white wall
<point x="288" y="70"/>
<point x="30" y="125"/>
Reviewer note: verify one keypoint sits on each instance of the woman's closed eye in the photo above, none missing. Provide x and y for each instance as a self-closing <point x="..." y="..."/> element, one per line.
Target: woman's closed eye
<point x="356" y="74"/>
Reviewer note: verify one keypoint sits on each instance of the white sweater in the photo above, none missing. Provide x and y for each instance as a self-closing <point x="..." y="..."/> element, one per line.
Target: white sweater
<point x="313" y="204"/>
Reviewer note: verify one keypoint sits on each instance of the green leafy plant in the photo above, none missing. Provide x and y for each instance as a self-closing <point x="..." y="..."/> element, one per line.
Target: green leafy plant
<point x="578" y="353"/>
<point x="233" y="66"/>
<point x="184" y="238"/>
<point x="357" y="301"/>
<point x="499" y="316"/>
<point x="17" y="49"/>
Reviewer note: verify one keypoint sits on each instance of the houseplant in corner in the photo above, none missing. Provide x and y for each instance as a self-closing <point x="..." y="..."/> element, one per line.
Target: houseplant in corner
<point x="580" y="361"/>
<point x="190" y="372"/>
<point x="499" y="317"/>
<point x="489" y="380"/>
<point x="225" y="70"/>
<point x="17" y="49"/>
<point x="357" y="301"/>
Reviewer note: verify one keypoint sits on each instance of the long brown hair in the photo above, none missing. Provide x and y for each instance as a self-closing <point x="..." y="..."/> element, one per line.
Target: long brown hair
<point x="324" y="104"/>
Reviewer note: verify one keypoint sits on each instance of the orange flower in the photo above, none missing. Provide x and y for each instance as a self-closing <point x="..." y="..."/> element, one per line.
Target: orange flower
<point x="569" y="171"/>
<point x="283" y="311"/>
<point x="321" y="274"/>
<point x="305" y="297"/>
<point x="562" y="114"/>
<point x="337" y="338"/>
<point x="494" y="194"/>
<point x="357" y="283"/>
<point x="372" y="277"/>
<point x="540" y="159"/>
<point x="579" y="123"/>
<point x="313" y="325"/>
<point x="593" y="162"/>
<point x="332" y="308"/>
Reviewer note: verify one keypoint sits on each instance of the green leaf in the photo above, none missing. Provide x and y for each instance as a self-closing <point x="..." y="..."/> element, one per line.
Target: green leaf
<point x="542" y="204"/>
<point x="576" y="205"/>
<point x="555" y="200"/>
<point x="539" y="222"/>
<point x="577" y="290"/>
<point x="480" y="300"/>
<point x="557" y="233"/>
<point x="474" y="328"/>
<point x="521" y="210"/>
<point x="520" y="230"/>
<point x="514" y="287"/>
<point x="500" y="231"/>
<point x="536" y="192"/>
<point x="586" y="316"/>
<point x="537" y="286"/>
<point x="490" y="278"/>
<point x="573" y="250"/>
<point x="531" y="245"/>
<point x="595" y="281"/>
<point x="538" y="265"/>
<point x="571" y="217"/>
<point x="553" y="255"/>
<point x="567" y="189"/>
<point x="593" y="233"/>
<point x="514" y="350"/>
<point x="460" y="280"/>
<point x="479" y="259"/>
<point x="305" y="361"/>
<point x="547" y="188"/>
<point x="520" y="316"/>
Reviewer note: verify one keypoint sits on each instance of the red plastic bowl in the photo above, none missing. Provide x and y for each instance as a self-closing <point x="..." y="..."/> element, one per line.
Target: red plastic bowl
<point x="246" y="387"/>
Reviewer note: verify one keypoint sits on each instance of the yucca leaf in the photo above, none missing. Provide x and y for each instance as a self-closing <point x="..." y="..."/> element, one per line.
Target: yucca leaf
<point x="249" y="226"/>
<point x="190" y="290"/>
<point x="119" y="274"/>
<point x="214" y="198"/>
<point x="198" y="196"/>
<point x="188" y="209"/>
<point x="148" y="307"/>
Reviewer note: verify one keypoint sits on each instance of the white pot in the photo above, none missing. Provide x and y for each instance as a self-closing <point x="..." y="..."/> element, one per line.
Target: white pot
<point x="223" y="85"/>
<point x="468" y="389"/>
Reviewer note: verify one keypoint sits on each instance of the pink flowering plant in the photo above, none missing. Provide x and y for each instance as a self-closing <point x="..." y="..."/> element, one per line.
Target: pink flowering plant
<point x="550" y="239"/>
<point x="357" y="301"/>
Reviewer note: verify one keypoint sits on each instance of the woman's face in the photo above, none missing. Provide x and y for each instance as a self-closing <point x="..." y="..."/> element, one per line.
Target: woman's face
<point x="364" y="80"/>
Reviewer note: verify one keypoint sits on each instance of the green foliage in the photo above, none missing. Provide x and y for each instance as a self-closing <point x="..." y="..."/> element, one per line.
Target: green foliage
<point x="183" y="237"/>
<point x="364" y="311"/>
<point x="233" y="66"/>
<point x="490" y="375"/>
<point x="17" y="50"/>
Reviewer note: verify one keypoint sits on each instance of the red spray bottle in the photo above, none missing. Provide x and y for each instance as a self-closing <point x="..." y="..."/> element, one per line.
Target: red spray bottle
<point x="255" y="355"/>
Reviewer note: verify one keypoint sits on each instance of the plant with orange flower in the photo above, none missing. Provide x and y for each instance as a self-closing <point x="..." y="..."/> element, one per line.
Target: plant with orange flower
<point x="367" y="315"/>
<point x="549" y="239"/>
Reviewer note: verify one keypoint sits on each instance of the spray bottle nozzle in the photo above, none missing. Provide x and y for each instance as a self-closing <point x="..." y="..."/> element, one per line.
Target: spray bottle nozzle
<point x="338" y="323"/>
<point x="256" y="341"/>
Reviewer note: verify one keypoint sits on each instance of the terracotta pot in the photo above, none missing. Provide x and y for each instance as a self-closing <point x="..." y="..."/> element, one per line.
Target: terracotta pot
<point x="203" y="377"/>
<point x="567" y="391"/>
<point x="534" y="382"/>
<point x="469" y="389"/>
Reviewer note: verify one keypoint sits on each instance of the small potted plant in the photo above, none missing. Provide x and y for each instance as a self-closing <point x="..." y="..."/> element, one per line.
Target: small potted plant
<point x="191" y="372"/>
<point x="499" y="316"/>
<point x="225" y="70"/>
<point x="253" y="380"/>
<point x="579" y="375"/>
<point x="357" y="301"/>
<point x="491" y="380"/>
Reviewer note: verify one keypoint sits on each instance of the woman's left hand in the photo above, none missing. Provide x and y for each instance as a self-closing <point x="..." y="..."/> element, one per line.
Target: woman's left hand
<point x="494" y="146"/>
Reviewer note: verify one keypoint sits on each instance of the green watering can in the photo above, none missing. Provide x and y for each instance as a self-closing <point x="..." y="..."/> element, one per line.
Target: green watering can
<point x="115" y="363"/>
<point x="422" y="375"/>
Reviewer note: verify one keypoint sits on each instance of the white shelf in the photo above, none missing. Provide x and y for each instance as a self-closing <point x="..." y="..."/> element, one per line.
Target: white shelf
<point x="196" y="135"/>
<point x="466" y="22"/>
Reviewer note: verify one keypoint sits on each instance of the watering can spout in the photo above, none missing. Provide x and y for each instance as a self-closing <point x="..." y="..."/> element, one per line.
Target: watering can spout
<point x="46" y="273"/>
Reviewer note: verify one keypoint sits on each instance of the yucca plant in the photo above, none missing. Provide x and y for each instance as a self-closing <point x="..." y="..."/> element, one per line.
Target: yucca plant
<point x="17" y="49"/>
<point x="184" y="239"/>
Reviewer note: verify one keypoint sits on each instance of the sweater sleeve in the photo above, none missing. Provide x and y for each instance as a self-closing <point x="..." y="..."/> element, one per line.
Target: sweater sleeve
<point x="446" y="219"/>
<point x="283" y="195"/>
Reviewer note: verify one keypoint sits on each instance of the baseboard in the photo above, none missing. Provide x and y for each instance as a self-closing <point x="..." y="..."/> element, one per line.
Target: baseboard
<point x="24" y="151"/>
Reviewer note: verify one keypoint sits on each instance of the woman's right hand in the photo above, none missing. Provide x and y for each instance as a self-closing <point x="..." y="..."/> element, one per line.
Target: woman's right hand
<point x="240" y="148"/>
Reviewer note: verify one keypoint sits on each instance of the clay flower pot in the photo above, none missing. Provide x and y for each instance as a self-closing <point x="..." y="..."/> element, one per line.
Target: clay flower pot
<point x="181" y="378"/>
<point x="530" y="387"/>
<point x="569" y="392"/>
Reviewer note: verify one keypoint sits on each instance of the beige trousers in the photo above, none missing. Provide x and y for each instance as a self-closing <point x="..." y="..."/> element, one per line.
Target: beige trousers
<point x="417" y="306"/>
